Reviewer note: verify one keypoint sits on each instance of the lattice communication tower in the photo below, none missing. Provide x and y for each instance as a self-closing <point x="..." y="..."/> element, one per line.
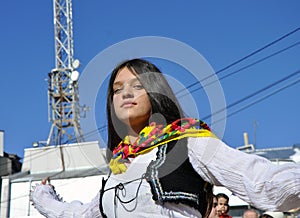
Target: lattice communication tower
<point x="63" y="96"/>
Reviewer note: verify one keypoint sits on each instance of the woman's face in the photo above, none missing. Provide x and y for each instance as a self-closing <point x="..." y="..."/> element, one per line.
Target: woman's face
<point x="130" y="100"/>
<point x="213" y="212"/>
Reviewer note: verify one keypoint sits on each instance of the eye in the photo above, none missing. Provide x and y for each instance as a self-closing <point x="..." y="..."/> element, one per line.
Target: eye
<point x="138" y="86"/>
<point x="117" y="91"/>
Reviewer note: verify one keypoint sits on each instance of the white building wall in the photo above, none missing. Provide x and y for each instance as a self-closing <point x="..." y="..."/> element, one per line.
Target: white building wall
<point x="1" y="143"/>
<point x="74" y="156"/>
<point x="81" y="157"/>
<point x="82" y="189"/>
<point x="19" y="205"/>
<point x="5" y="197"/>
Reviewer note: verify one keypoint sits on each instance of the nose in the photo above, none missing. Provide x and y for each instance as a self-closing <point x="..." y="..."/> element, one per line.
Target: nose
<point x="223" y="209"/>
<point x="127" y="92"/>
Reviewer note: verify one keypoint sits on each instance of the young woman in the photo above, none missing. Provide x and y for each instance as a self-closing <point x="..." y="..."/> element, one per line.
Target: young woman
<point x="163" y="164"/>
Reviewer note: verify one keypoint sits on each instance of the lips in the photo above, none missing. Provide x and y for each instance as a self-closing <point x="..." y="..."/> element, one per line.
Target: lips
<point x="128" y="104"/>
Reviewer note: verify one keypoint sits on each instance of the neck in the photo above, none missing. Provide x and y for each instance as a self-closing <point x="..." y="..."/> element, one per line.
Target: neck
<point x="133" y="133"/>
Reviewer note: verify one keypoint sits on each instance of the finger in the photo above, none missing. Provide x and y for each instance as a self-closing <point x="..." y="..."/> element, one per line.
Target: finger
<point x="45" y="180"/>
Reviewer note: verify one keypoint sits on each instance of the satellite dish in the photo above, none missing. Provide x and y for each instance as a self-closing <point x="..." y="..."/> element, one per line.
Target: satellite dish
<point x="75" y="63"/>
<point x="74" y="75"/>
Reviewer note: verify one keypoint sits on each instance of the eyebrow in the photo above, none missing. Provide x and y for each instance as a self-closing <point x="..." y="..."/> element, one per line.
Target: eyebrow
<point x="121" y="82"/>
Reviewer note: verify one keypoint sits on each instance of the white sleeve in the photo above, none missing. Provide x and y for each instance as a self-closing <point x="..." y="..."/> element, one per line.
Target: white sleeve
<point x="49" y="204"/>
<point x="252" y="178"/>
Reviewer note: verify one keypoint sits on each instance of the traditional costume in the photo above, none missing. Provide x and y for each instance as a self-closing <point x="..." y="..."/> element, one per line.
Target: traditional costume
<point x="167" y="173"/>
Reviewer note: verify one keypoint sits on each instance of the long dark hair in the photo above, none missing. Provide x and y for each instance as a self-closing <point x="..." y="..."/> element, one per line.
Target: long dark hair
<point x="164" y="105"/>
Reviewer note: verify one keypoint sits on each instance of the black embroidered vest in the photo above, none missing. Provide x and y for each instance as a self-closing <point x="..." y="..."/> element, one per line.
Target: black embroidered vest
<point x="173" y="179"/>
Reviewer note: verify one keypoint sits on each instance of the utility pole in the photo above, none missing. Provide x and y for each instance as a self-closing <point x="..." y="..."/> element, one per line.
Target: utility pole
<point x="255" y="129"/>
<point x="63" y="96"/>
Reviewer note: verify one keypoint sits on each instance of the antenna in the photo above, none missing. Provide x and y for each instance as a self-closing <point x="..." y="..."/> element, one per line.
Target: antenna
<point x="63" y="96"/>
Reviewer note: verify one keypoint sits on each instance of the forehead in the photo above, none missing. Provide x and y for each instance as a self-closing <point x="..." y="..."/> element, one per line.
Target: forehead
<point x="124" y="75"/>
<point x="250" y="212"/>
<point x="223" y="200"/>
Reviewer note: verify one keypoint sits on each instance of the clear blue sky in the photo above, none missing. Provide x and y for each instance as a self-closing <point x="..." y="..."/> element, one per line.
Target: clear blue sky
<point x="223" y="32"/>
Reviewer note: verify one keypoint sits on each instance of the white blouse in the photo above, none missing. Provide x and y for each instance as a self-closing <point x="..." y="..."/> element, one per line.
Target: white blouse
<point x="252" y="178"/>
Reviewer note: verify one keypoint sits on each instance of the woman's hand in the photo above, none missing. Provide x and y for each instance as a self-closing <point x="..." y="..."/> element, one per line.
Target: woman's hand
<point x="44" y="181"/>
<point x="43" y="189"/>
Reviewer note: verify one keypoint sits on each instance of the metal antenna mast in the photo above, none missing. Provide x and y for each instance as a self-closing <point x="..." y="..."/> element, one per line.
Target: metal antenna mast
<point x="63" y="97"/>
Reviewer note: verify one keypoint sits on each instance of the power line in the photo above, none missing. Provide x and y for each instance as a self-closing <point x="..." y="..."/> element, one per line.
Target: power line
<point x="73" y="140"/>
<point x="243" y="68"/>
<point x="259" y="100"/>
<point x="253" y="94"/>
<point x="89" y="134"/>
<point x="243" y="58"/>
